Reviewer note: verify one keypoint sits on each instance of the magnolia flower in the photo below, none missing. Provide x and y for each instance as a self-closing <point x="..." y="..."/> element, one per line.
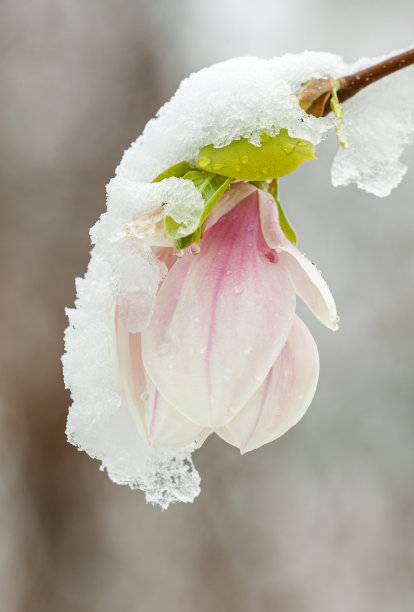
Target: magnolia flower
<point x="224" y="350"/>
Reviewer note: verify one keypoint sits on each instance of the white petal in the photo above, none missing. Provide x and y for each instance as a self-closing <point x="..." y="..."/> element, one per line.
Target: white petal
<point x="284" y="396"/>
<point x="158" y="422"/>
<point x="305" y="276"/>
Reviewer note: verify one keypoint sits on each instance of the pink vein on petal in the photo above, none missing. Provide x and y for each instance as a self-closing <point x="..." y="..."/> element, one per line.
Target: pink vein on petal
<point x="212" y="323"/>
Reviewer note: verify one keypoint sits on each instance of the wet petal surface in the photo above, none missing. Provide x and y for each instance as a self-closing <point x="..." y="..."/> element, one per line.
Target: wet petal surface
<point x="307" y="279"/>
<point x="220" y="320"/>
<point x="158" y="422"/>
<point x="284" y="396"/>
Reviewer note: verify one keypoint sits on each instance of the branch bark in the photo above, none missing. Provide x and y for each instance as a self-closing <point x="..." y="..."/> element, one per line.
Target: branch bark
<point x="315" y="96"/>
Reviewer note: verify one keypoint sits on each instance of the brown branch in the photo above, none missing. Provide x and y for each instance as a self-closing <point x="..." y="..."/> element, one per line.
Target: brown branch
<point x="315" y="96"/>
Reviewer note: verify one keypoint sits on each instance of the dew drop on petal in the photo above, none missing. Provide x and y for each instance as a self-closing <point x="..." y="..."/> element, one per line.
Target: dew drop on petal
<point x="144" y="396"/>
<point x="238" y="289"/>
<point x="204" y="161"/>
<point x="244" y="159"/>
<point x="250" y="227"/>
<point x="227" y="374"/>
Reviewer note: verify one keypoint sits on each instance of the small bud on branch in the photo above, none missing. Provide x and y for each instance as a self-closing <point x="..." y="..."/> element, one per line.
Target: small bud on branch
<point x="314" y="97"/>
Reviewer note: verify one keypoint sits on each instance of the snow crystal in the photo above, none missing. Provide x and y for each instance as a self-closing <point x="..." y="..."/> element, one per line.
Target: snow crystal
<point x="380" y="122"/>
<point x="243" y="97"/>
<point x="99" y="421"/>
<point x="184" y="204"/>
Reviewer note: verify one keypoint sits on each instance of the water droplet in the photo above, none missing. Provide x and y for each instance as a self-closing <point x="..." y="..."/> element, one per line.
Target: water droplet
<point x="217" y="166"/>
<point x="244" y="159"/>
<point x="250" y="227"/>
<point x="204" y="161"/>
<point x="195" y="249"/>
<point x="227" y="374"/>
<point x="237" y="168"/>
<point x="265" y="170"/>
<point x="247" y="349"/>
<point x="302" y="143"/>
<point x="164" y="349"/>
<point x="238" y="289"/>
<point x="202" y="350"/>
<point x="288" y="148"/>
<point x="144" y="396"/>
<point x="179" y="253"/>
<point x="229" y="272"/>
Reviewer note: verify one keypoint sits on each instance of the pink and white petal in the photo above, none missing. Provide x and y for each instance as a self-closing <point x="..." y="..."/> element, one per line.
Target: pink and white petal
<point x="159" y="424"/>
<point x="236" y="193"/>
<point x="220" y="320"/>
<point x="203" y="437"/>
<point x="167" y="428"/>
<point x="284" y="396"/>
<point x="166" y="255"/>
<point x="307" y="279"/>
<point x="131" y="373"/>
<point x="151" y="228"/>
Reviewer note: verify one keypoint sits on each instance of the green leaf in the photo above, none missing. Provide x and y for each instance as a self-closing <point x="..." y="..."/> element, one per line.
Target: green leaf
<point x="276" y="156"/>
<point x="287" y="229"/>
<point x="177" y="170"/>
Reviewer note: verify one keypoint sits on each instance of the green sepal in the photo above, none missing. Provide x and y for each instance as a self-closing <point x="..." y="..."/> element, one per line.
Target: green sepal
<point x="338" y="111"/>
<point x="215" y="189"/>
<point x="260" y="184"/>
<point x="178" y="170"/>
<point x="287" y="229"/>
<point x="276" y="156"/>
<point x="171" y="226"/>
<point x="183" y="243"/>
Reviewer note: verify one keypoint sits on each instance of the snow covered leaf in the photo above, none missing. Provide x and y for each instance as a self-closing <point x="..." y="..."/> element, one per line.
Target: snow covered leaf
<point x="276" y="156"/>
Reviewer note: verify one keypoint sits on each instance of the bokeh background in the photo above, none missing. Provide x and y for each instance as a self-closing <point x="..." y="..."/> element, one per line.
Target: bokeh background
<point x="322" y="519"/>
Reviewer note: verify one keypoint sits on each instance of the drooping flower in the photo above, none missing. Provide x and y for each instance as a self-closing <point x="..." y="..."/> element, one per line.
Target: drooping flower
<point x="224" y="350"/>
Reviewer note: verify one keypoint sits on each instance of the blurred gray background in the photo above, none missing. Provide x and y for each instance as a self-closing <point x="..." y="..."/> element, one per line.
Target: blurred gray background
<point x="322" y="519"/>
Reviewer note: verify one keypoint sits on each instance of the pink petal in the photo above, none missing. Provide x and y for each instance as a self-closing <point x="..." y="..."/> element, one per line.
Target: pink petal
<point x="305" y="276"/>
<point x="166" y="255"/>
<point x="220" y="320"/>
<point x="236" y="193"/>
<point x="160" y="425"/>
<point x="284" y="396"/>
